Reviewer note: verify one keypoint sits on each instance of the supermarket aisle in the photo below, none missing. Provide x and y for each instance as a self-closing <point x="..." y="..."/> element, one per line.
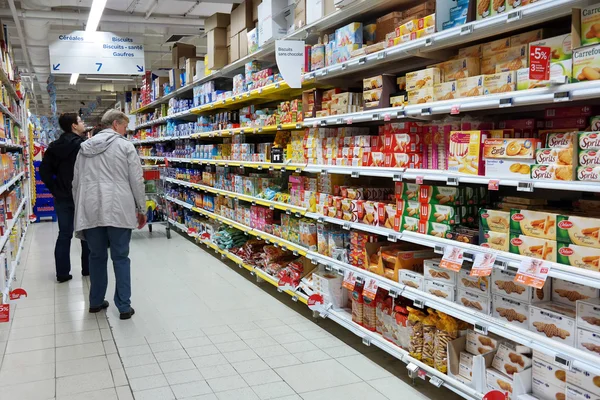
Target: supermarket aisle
<point x="202" y="330"/>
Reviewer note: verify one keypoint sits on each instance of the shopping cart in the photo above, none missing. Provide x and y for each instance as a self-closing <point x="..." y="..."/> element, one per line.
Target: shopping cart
<point x="157" y="206"/>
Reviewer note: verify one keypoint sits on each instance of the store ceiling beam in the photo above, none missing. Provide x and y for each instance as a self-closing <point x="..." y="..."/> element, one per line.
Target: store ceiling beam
<point x="106" y="17"/>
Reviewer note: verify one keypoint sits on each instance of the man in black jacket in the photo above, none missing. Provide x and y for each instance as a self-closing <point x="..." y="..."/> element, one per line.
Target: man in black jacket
<point x="56" y="171"/>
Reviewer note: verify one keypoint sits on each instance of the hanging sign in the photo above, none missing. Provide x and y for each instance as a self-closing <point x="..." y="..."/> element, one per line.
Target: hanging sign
<point x="532" y="272"/>
<point x="289" y="55"/>
<point x="96" y="53"/>
<point x="452" y="259"/>
<point x="17" y="294"/>
<point x="539" y="63"/>
<point x="4" y="313"/>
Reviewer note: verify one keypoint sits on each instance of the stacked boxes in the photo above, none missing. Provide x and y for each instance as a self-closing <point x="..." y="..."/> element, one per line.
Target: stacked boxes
<point x="558" y="156"/>
<point x="509" y="158"/>
<point x="588" y="159"/>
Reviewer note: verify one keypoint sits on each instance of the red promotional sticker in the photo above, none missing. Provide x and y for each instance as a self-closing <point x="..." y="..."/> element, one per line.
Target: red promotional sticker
<point x="166" y="162"/>
<point x="539" y="63"/>
<point x="495" y="395"/>
<point x="4" y="312"/>
<point x="494" y="184"/>
<point x="17" y="293"/>
<point x="315" y="302"/>
<point x="455" y="109"/>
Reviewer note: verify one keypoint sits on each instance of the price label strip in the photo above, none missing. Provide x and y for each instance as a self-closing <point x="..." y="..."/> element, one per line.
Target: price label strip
<point x="532" y="272"/>
<point x="483" y="264"/>
<point x="349" y="280"/>
<point x="453" y="258"/>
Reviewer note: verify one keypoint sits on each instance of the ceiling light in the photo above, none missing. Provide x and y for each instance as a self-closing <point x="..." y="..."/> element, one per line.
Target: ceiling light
<point x="110" y="79"/>
<point x="95" y="15"/>
<point x="74" y="78"/>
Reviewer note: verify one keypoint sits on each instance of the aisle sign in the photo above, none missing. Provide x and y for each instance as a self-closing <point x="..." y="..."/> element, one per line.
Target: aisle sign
<point x="289" y="55"/>
<point x="349" y="280"/>
<point x="532" y="272"/>
<point x="539" y="63"/>
<point x="453" y="258"/>
<point x="96" y="53"/>
<point x="4" y="312"/>
<point x="483" y="264"/>
<point x="370" y="289"/>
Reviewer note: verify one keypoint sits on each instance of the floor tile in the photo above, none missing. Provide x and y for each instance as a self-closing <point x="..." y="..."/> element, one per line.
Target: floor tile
<point x="109" y="347"/>
<point x="124" y="393"/>
<point x="14" y="376"/>
<point x="223" y="338"/>
<point x="327" y="342"/>
<point x="250" y="365"/>
<point x="243" y="327"/>
<point x="317" y="375"/>
<point x="209" y="361"/>
<point x="158" y="338"/>
<point x="282" y="361"/>
<point x="36" y="343"/>
<point x="242" y="355"/>
<point x="165" y="346"/>
<point x="252" y="334"/>
<point x="81" y="337"/>
<point x="191" y="375"/>
<point x="269" y="323"/>
<point x="341" y="351"/>
<point x="393" y="387"/>
<point x="312" y="356"/>
<point x="185" y="390"/>
<point x="171" y="355"/>
<point x="119" y="377"/>
<point x="74" y="384"/>
<point x="26" y="333"/>
<point x="218" y="371"/>
<point x="19" y="360"/>
<point x="272" y="390"/>
<point x="228" y="347"/>
<point x="202" y="351"/>
<point x="261" y="377"/>
<point x="198" y="341"/>
<point x="217" y="330"/>
<point x="135" y="350"/>
<point x="163" y="393"/>
<point x="82" y="366"/>
<point x="127" y="342"/>
<point x="363" y="367"/>
<point x="148" y="382"/>
<point x="238" y="394"/>
<point x="104" y="394"/>
<point x="135" y="361"/>
<point x="79" y="351"/>
<point x="356" y="391"/>
<point x="177" y="365"/>
<point x="271" y="351"/>
<point x="143" y="370"/>
<point x="226" y="383"/>
<point x="301" y="347"/>
<point x="189" y="334"/>
<point x="264" y="341"/>
<point x="32" y="390"/>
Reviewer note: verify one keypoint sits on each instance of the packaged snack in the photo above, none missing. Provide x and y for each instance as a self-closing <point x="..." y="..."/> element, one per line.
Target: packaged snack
<point x="503" y="284"/>
<point x="443" y="290"/>
<point x="570" y="292"/>
<point x="577" y="393"/>
<point x="412" y="279"/>
<point x="481" y="344"/>
<point x="465" y="151"/>
<point x="553" y="172"/>
<point x="591" y="174"/>
<point x="494" y="220"/>
<point x="526" y="38"/>
<point x="586" y="63"/>
<point x="447" y="330"/>
<point x="465" y="366"/>
<point x="542" y="390"/>
<point x="476" y="284"/>
<point x="444" y="195"/>
<point x="425" y="78"/>
<point x="588" y="341"/>
<point x="534" y="247"/>
<point x="445" y="91"/>
<point x="510" y="148"/>
<point x="560" y="47"/>
<point x="583" y="382"/>
<point x="548" y="372"/>
<point x="471" y="51"/>
<point x="432" y="271"/>
<point x="415" y="328"/>
<point x="550" y="156"/>
<point x="483" y="8"/>
<point x="537" y="224"/>
<point x="514" y="311"/>
<point x="582" y="231"/>
<point x="556" y="321"/>
<point x="471" y="86"/>
<point x="459" y="68"/>
<point x="579" y="256"/>
<point x="494" y="240"/>
<point x="588" y="141"/>
<point x="509" y="362"/>
<point x="421" y="96"/>
<point x="500" y="82"/>
<point x="473" y="300"/>
<point x="429" y="329"/>
<point x="590" y="27"/>
<point x="561" y="140"/>
<point x="588" y="314"/>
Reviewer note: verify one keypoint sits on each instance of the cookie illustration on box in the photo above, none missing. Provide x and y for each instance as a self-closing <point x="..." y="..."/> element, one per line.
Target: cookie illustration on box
<point x="504" y="385"/>
<point x="517" y="359"/>
<point x="511" y="315"/>
<point x="509" y="287"/>
<point x="592" y="347"/>
<point x="438" y="293"/>
<point x="472" y="304"/>
<point x="510" y="369"/>
<point x="411" y="284"/>
<point x="561" y="375"/>
<point x="571" y="295"/>
<point x="592" y="320"/>
<point x="551" y="330"/>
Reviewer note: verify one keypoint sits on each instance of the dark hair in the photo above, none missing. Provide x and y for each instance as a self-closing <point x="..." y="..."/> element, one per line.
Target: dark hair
<point x="66" y="121"/>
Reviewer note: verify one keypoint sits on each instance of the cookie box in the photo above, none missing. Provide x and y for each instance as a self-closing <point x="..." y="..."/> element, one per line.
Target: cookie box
<point x="474" y="301"/>
<point x="443" y="195"/>
<point x="412" y="279"/>
<point x="471" y="51"/>
<point x="494" y="240"/>
<point x="555" y="321"/>
<point x="501" y="82"/>
<point x="425" y="78"/>
<point x="588" y="158"/>
<point x="588" y="341"/>
<point x="549" y="373"/>
<point x="503" y="168"/>
<point x="513" y="311"/>
<point x="432" y="271"/>
<point x="542" y="172"/>
<point x="465" y="366"/>
<point x="536" y="224"/>
<point x="588" y="141"/>
<point x="527" y="37"/>
<point x="510" y="148"/>
<point x="584" y="380"/>
<point x="436" y="229"/>
<point x="490" y="48"/>
<point x="408" y="208"/>
<point x="510" y="362"/>
<point x="494" y="220"/>
<point x="439" y="213"/>
<point x="560" y="47"/>
<point x="503" y="284"/>
<point x="543" y="390"/>
<point x="566" y="292"/>
<point x="470" y="86"/>
<point x="477" y="284"/>
<point x="496" y="380"/>
<point x="578" y="256"/>
<point x="482" y="344"/>
<point x="590" y="174"/>
<point x="590" y="24"/>
<point x="550" y="156"/>
<point x="588" y="315"/>
<point x="577" y="393"/>
<point x="443" y="290"/>
<point x="460" y="68"/>
<point x="421" y="96"/>
<point x="445" y="91"/>
<point x="528" y="246"/>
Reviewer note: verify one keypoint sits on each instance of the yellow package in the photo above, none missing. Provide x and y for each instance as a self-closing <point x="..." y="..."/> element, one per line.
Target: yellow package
<point x="490" y="48"/>
<point x="511" y="58"/>
<point x="445" y="91"/>
<point x="429" y="329"/>
<point x="471" y="51"/>
<point x="586" y="63"/>
<point x="526" y="38"/>
<point x="415" y="329"/>
<point x="544" y="249"/>
<point x="460" y="68"/>
<point x="471" y="86"/>
<point x="590" y="24"/>
<point x="447" y="331"/>
<point x="499" y="83"/>
<point x="421" y="96"/>
<point x="423" y="78"/>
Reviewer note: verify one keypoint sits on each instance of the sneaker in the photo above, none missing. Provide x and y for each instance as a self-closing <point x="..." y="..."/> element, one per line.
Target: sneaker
<point x="85" y="273"/>
<point x="127" y="315"/>
<point x="64" y="278"/>
<point x="104" y="306"/>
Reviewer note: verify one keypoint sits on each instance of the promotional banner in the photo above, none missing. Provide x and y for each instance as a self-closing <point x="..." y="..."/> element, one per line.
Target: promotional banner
<point x="290" y="59"/>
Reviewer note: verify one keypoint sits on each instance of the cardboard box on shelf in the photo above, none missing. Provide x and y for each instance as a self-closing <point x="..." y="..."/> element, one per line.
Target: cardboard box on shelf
<point x="243" y="43"/>
<point x="445" y="91"/>
<point x="509" y="362"/>
<point x="216" y="38"/>
<point x="228" y="35"/>
<point x="588" y="341"/>
<point x="494" y="240"/>
<point x="474" y="300"/>
<point x="560" y="47"/>
<point x="271" y="20"/>
<point x="526" y="37"/>
<point x="218" y="58"/>
<point x="425" y="78"/>
<point x="432" y="271"/>
<point x="180" y="50"/>
<point x="503" y="284"/>
<point x="548" y="372"/>
<point x="511" y="310"/>
<point x="579" y="256"/>
<point x="515" y="169"/>
<point x="501" y="82"/>
<point x="217" y="20"/>
<point x="482" y="344"/>
<point x="583" y="379"/>
<point x="538" y="224"/>
<point x="491" y="48"/>
<point x="190" y="69"/>
<point x="588" y="315"/>
<point x="543" y="390"/>
<point x="569" y="292"/>
<point x="412" y="279"/>
<point x="576" y="393"/>
<point x="582" y="231"/>
<point x="510" y="148"/>
<point x="534" y="247"/>
<point x="494" y="220"/>
<point x="234" y="49"/>
<point x="241" y="17"/>
<point x="552" y="172"/>
<point x="555" y="321"/>
<point x="586" y="63"/>
<point x="471" y="86"/>
<point x="299" y="14"/>
<point x="387" y="24"/>
<point x="175" y="78"/>
<point x="445" y="291"/>
<point x="590" y="24"/>
<point x="453" y="70"/>
<point x="465" y="151"/>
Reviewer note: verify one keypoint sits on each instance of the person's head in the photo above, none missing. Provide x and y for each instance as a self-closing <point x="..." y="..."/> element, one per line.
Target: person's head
<point x="115" y="120"/>
<point x="71" y="122"/>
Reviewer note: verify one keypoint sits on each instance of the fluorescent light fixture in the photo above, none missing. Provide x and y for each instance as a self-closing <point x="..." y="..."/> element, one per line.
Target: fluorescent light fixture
<point x="110" y="79"/>
<point x="95" y="15"/>
<point x="74" y="78"/>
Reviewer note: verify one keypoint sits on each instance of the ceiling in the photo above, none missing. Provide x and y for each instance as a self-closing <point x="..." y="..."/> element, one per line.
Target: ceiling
<point x="154" y="21"/>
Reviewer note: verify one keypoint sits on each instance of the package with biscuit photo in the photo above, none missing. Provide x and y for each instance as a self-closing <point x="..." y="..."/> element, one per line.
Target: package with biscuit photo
<point x="543" y="249"/>
<point x="586" y="64"/>
<point x="412" y="279"/>
<point x="555" y="321"/>
<point x="482" y="344"/>
<point x="432" y="271"/>
<point x="590" y="24"/>
<point x="510" y="362"/>
<point x="538" y="224"/>
<point x="474" y="301"/>
<point x="550" y="373"/>
<point x="569" y="293"/>
<point x="445" y="291"/>
<point x="585" y="380"/>
<point x="588" y="341"/>
<point x="588" y="314"/>
<point x="577" y="393"/>
<point x="543" y="390"/>
<point x="510" y="310"/>
<point x="579" y="256"/>
<point x="494" y="220"/>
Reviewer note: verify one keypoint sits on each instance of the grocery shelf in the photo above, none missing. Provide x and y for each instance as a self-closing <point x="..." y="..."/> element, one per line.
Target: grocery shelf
<point x="8" y="84"/>
<point x="254" y="200"/>
<point x="9" y="184"/>
<point x="12" y="116"/>
<point x="245" y="130"/>
<point x="163" y="120"/>
<point x="571" y="355"/>
<point x="13" y="267"/>
<point x="231" y="163"/>
<point x="166" y="98"/>
<point x="11" y="224"/>
<point x="344" y="319"/>
<point x="256" y="271"/>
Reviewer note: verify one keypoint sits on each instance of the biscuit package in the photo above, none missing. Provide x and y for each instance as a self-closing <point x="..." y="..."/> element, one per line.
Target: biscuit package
<point x="555" y="321"/>
<point x="508" y="361"/>
<point x="588" y="341"/>
<point x="584" y="380"/>
<point x="494" y="220"/>
<point x="510" y="148"/>
<point x="550" y="156"/>
<point x="513" y="311"/>
<point x="503" y="284"/>
<point x="496" y="380"/>
<point x="588" y="315"/>
<point x="590" y="174"/>
<point x="548" y="372"/>
<point x="576" y="393"/>
<point x="543" y="390"/>
<point x="570" y="292"/>
<point x="577" y="230"/>
<point x="537" y="224"/>
<point x="590" y="24"/>
<point x="481" y="344"/>
<point x="494" y="240"/>
<point x="552" y="172"/>
<point x="478" y="284"/>
<point x="544" y="249"/>
<point x="412" y="279"/>
<point x="586" y="63"/>
<point x="474" y="301"/>
<point x="443" y="290"/>
<point x="432" y="271"/>
<point x="579" y="256"/>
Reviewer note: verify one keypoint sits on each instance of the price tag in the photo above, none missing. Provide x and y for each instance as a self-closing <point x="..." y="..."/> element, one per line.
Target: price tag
<point x="346" y="226"/>
<point x="349" y="121"/>
<point x="355" y="174"/>
<point x="426" y="111"/>
<point x="381" y="55"/>
<point x="453" y="258"/>
<point x="466" y="29"/>
<point x="483" y="264"/>
<point x="508" y="102"/>
<point x="166" y="162"/>
<point x="397" y="177"/>
<point x="562" y="96"/>
<point x="387" y="117"/>
<point x="455" y="109"/>
<point x="4" y="312"/>
<point x="419" y="180"/>
<point x="349" y="280"/>
<point x="532" y="272"/>
<point x="539" y="63"/>
<point x="375" y="117"/>
<point x="315" y="302"/>
<point x="370" y="289"/>
<point x="393" y="293"/>
<point x="17" y="294"/>
<point x="362" y="60"/>
<point x="435" y="381"/>
<point x="419" y="303"/>
<point x="494" y="184"/>
<point x="344" y="66"/>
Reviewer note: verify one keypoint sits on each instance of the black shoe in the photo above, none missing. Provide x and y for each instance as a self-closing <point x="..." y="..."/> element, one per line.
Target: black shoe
<point x="100" y="308"/>
<point x="127" y="315"/>
<point x="85" y="273"/>
<point x="64" y="278"/>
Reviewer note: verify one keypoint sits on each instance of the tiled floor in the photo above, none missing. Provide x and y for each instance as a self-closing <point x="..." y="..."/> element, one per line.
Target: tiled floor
<point x="202" y="330"/>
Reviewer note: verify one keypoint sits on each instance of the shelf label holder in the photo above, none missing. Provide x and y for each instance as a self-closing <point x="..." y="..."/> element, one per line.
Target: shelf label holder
<point x="562" y="96"/>
<point x="435" y="381"/>
<point x="508" y="102"/>
<point x="480" y="328"/>
<point x="452" y="181"/>
<point x="398" y="177"/>
<point x="525" y="187"/>
<point x="562" y="360"/>
<point x="366" y="341"/>
<point x="393" y="293"/>
<point x="419" y="303"/>
<point x="355" y="174"/>
<point x="347" y="226"/>
<point x="467" y="29"/>
<point x="514" y="16"/>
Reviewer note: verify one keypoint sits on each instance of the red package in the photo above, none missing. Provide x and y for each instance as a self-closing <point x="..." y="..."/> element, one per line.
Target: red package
<point x="568" y="112"/>
<point x="567" y="123"/>
<point x="402" y="143"/>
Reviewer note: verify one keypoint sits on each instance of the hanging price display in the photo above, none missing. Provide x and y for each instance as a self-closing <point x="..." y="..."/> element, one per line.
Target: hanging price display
<point x="494" y="184"/>
<point x="539" y="63"/>
<point x="419" y="180"/>
<point x="483" y="264"/>
<point x="349" y="280"/>
<point x="370" y="289"/>
<point x="532" y="272"/>
<point x="315" y="302"/>
<point x="455" y="109"/>
<point x="452" y="259"/>
<point x="17" y="294"/>
<point x="4" y="312"/>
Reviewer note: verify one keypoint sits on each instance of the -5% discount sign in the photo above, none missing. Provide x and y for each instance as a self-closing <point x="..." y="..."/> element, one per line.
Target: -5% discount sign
<point x="539" y="63"/>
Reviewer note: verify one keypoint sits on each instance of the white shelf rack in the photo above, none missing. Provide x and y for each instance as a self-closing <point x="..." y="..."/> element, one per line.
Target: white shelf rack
<point x="163" y="120"/>
<point x="14" y="266"/>
<point x="12" y="116"/>
<point x="9" y="184"/>
<point x="11" y="224"/>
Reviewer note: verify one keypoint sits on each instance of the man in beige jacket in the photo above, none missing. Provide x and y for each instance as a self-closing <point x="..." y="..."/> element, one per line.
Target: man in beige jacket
<point x="108" y="189"/>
